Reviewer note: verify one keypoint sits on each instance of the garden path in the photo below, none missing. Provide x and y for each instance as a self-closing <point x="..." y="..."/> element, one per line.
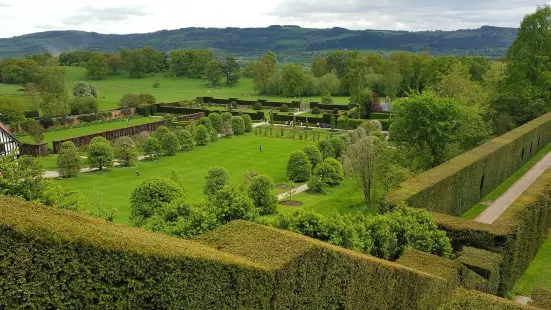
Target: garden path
<point x="294" y="191"/>
<point x="496" y="209"/>
<point x="55" y="174"/>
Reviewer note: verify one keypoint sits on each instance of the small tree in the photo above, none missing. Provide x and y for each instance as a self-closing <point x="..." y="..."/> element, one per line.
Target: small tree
<point x="150" y="196"/>
<point x="299" y="168"/>
<point x="338" y="146"/>
<point x="68" y="161"/>
<point x="216" y="121"/>
<point x="359" y="163"/>
<point x="36" y="131"/>
<point x="216" y="179"/>
<point x="314" y="155"/>
<point x="100" y="155"/>
<point x="11" y="110"/>
<point x="326" y="148"/>
<point x="129" y="101"/>
<point x="125" y="151"/>
<point x="202" y="135"/>
<point x="261" y="192"/>
<point x="170" y="144"/>
<point x="248" y="123"/>
<point x="238" y="125"/>
<point x="152" y="147"/>
<point x="186" y="139"/>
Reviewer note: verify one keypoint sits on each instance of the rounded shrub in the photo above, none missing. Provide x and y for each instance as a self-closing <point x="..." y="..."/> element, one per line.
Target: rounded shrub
<point x="150" y="196"/>
<point x="284" y="108"/>
<point x="202" y="135"/>
<point x="316" y="185"/>
<point x="261" y="192"/>
<point x="162" y="130"/>
<point x="326" y="148"/>
<point x="313" y="154"/>
<point x="216" y="121"/>
<point x="226" y="130"/>
<point x="186" y="139"/>
<point x="377" y="124"/>
<point x="316" y="111"/>
<point x="68" y="160"/>
<point x="258" y="106"/>
<point x="330" y="172"/>
<point x="125" y="151"/>
<point x="100" y="155"/>
<point x="299" y="168"/>
<point x="152" y="147"/>
<point x="205" y="121"/>
<point x="170" y="144"/>
<point x="98" y="139"/>
<point x="248" y="122"/>
<point x="226" y="117"/>
<point x="216" y="179"/>
<point x="335" y="111"/>
<point x="238" y="125"/>
<point x="338" y="145"/>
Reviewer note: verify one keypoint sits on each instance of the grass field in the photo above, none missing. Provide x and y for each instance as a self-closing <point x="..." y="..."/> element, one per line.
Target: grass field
<point x="538" y="273"/>
<point x="498" y="191"/>
<point x="49" y="163"/>
<point x="75" y="132"/>
<point x="112" y="189"/>
<point x="171" y="89"/>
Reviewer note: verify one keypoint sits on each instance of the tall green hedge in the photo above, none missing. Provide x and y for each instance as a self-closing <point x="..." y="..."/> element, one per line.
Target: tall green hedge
<point x="517" y="234"/>
<point x="455" y="186"/>
<point x="484" y="263"/>
<point x="541" y="297"/>
<point x="473" y="300"/>
<point x="311" y="274"/>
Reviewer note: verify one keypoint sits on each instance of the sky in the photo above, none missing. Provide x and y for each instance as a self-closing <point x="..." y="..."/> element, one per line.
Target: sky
<point x="18" y="17"/>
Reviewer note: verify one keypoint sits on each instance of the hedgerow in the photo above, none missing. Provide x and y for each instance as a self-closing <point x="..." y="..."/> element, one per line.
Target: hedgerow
<point x="465" y="299"/>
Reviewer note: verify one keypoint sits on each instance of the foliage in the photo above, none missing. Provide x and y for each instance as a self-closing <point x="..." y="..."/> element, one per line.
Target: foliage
<point x="238" y="125"/>
<point x="146" y="99"/>
<point x="151" y="195"/>
<point x="202" y="135"/>
<point x="258" y="106"/>
<point x="205" y="121"/>
<point x="170" y="144"/>
<point x="338" y="146"/>
<point x="231" y="204"/>
<point x="68" y="161"/>
<point x="284" y="108"/>
<point x="160" y="132"/>
<point x="213" y="72"/>
<point x="190" y="63"/>
<point x="330" y="172"/>
<point x="21" y="176"/>
<point x="316" y="111"/>
<point x="216" y="121"/>
<point x="262" y="70"/>
<point x="230" y="70"/>
<point x="83" y="105"/>
<point x="186" y="139"/>
<point x="326" y="148"/>
<point x="11" y="111"/>
<point x="248" y="123"/>
<point x="316" y="185"/>
<point x="359" y="164"/>
<point x="294" y="81"/>
<point x="227" y="116"/>
<point x="314" y="155"/>
<point x="152" y="147"/>
<point x="129" y="100"/>
<point x="125" y="151"/>
<point x="97" y="67"/>
<point x="100" y="155"/>
<point x="261" y="192"/>
<point x="36" y="131"/>
<point x="216" y="179"/>
<point x="226" y="130"/>
<point x="298" y="167"/>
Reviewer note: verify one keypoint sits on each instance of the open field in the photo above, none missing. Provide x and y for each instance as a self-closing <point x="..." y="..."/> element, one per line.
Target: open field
<point x="171" y="89"/>
<point x="81" y="131"/>
<point x="538" y="273"/>
<point x="112" y="189"/>
<point x="477" y="209"/>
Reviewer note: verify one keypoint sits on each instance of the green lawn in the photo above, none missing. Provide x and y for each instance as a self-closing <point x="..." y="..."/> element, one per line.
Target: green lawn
<point x="112" y="189"/>
<point x="81" y="131"/>
<point x="171" y="89"/>
<point x="538" y="273"/>
<point x="49" y="163"/>
<point x="498" y="191"/>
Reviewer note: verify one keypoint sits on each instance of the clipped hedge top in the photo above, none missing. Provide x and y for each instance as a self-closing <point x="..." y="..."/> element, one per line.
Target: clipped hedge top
<point x="464" y="299"/>
<point x="448" y="169"/>
<point x="274" y="248"/>
<point x="480" y="258"/>
<point x="40" y="222"/>
<point x="431" y="264"/>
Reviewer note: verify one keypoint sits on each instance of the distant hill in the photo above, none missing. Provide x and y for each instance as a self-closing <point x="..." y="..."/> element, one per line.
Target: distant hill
<point x="286" y="40"/>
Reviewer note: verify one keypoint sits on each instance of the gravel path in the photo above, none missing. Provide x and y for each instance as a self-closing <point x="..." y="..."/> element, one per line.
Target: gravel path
<point x="496" y="209"/>
<point x="55" y="174"/>
<point x="294" y="191"/>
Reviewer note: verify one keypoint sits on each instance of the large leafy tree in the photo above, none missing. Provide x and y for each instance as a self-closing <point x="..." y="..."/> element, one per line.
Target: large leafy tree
<point x="294" y="81"/>
<point x="263" y="69"/>
<point x="230" y="70"/>
<point x="10" y="110"/>
<point x="213" y="72"/>
<point x="96" y="67"/>
<point x="319" y="66"/>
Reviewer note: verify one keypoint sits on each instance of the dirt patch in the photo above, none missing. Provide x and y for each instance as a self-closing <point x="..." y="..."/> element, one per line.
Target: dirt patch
<point x="291" y="203"/>
<point x="281" y="186"/>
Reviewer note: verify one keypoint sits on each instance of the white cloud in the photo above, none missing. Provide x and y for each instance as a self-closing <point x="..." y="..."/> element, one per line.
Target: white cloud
<point x="19" y="17"/>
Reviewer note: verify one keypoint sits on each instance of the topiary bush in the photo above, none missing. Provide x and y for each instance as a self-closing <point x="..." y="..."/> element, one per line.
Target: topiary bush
<point x="202" y="135"/>
<point x="238" y="125"/>
<point x="226" y="117"/>
<point x="226" y="129"/>
<point x="261" y="192"/>
<point x="160" y="132"/>
<point x="186" y="139"/>
<point x="314" y="155"/>
<point x="216" y="179"/>
<point x="170" y="144"/>
<point x="330" y="172"/>
<point x="258" y="106"/>
<point x="316" y="111"/>
<point x="335" y="111"/>
<point x="248" y="122"/>
<point x="299" y="168"/>
<point x="100" y="155"/>
<point x="316" y="185"/>
<point x="284" y="108"/>
<point x="125" y="151"/>
<point x="151" y="195"/>
<point x="152" y="147"/>
<point x="326" y="148"/>
<point x="216" y="121"/>
<point x="205" y="121"/>
<point x="68" y="160"/>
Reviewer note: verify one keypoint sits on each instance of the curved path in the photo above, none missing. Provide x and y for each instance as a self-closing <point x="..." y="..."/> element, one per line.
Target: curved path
<point x="496" y="209"/>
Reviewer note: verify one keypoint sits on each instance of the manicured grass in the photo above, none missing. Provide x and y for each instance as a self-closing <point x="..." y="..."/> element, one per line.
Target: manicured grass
<point x="344" y="198"/>
<point x="538" y="273"/>
<point x="49" y="163"/>
<point x="171" y="89"/>
<point x="81" y="131"/>
<point x="477" y="209"/>
<point x="112" y="189"/>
